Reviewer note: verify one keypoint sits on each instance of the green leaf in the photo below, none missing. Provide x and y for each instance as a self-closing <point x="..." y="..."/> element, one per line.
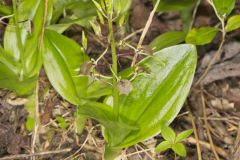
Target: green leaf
<point x="9" y="80"/>
<point x="103" y="114"/>
<point x="30" y="21"/>
<point x="163" y="146"/>
<point x="174" y="5"/>
<point x="61" y="122"/>
<point x="179" y="149"/>
<point x="79" y="8"/>
<point x="168" y="134"/>
<point x="82" y="13"/>
<point x="30" y="123"/>
<point x="5" y="10"/>
<point x="167" y="39"/>
<point x="62" y="58"/>
<point x="26" y="12"/>
<point x="30" y="107"/>
<point x="157" y="96"/>
<point x="223" y="7"/>
<point x="122" y="6"/>
<point x="183" y="135"/>
<point x="19" y="67"/>
<point x="201" y="36"/>
<point x="233" y="23"/>
<point x="111" y="153"/>
<point x="79" y="122"/>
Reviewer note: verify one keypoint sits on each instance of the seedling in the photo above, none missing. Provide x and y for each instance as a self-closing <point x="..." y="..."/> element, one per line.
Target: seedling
<point x="173" y="142"/>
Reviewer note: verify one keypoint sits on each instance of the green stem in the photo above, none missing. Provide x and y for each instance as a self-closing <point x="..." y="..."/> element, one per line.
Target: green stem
<point x="114" y="66"/>
<point x="18" y="34"/>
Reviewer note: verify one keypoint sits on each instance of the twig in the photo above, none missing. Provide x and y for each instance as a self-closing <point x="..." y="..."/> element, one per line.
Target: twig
<point x="85" y="141"/>
<point x="149" y="21"/>
<point x="142" y="151"/>
<point x="70" y="157"/>
<point x="21" y="156"/>
<point x="194" y="14"/>
<point x="195" y="133"/>
<point x="206" y="145"/>
<point x="207" y="127"/>
<point x="217" y="53"/>
<point x="211" y="62"/>
<point x="145" y="30"/>
<point x="133" y="34"/>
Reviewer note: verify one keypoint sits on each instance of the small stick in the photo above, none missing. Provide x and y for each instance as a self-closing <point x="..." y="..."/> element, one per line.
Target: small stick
<point x="149" y="21"/>
<point x="195" y="133"/>
<point x="21" y="156"/>
<point x="132" y="34"/>
<point x="219" y="49"/>
<point x="134" y="153"/>
<point x="194" y="14"/>
<point x="207" y="127"/>
<point x="207" y="146"/>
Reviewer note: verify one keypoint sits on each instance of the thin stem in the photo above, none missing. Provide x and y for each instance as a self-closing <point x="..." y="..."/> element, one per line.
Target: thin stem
<point x="24" y="156"/>
<point x="145" y="30"/>
<point x="215" y="55"/>
<point x="148" y="24"/>
<point x="213" y="147"/>
<point x="114" y="64"/>
<point x="194" y="13"/>
<point x="195" y="132"/>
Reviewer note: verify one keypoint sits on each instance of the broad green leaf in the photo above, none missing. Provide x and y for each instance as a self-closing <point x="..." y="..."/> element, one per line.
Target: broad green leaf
<point x="183" y="135"/>
<point x="98" y="89"/>
<point x="223" y="7"/>
<point x="62" y="58"/>
<point x="167" y="39"/>
<point x="166" y="69"/>
<point x="30" y="21"/>
<point x="233" y="23"/>
<point x="103" y="113"/>
<point x="179" y="149"/>
<point x="19" y="67"/>
<point x="26" y="12"/>
<point x="168" y="134"/>
<point x="163" y="146"/>
<point x="9" y="62"/>
<point x="201" y="36"/>
<point x="174" y="5"/>
<point x="9" y="80"/>
<point x="157" y="95"/>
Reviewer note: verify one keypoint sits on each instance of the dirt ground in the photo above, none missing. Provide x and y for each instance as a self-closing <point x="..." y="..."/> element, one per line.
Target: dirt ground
<point x="212" y="109"/>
